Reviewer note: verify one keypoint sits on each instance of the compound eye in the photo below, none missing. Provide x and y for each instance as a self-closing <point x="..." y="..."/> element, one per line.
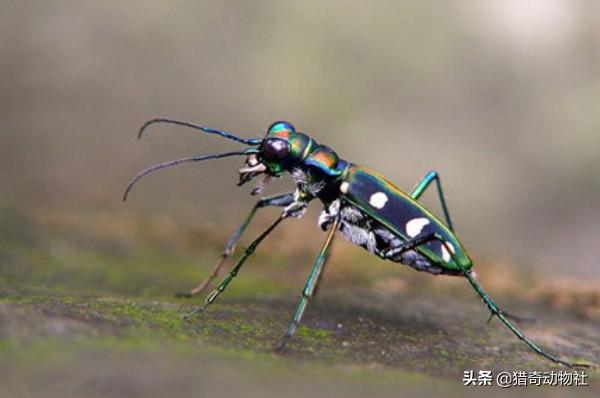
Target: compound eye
<point x="276" y="149"/>
<point x="281" y="127"/>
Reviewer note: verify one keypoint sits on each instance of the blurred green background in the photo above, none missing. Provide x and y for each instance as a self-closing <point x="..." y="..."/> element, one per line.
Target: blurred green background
<point x="502" y="97"/>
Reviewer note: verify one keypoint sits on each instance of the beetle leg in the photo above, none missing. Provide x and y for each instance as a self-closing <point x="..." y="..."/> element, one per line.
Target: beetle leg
<point x="326" y="218"/>
<point x="247" y="253"/>
<point x="409" y="245"/>
<point x="496" y="311"/>
<point x="424" y="184"/>
<point x="310" y="286"/>
<point x="320" y="277"/>
<point x="516" y="318"/>
<point x="279" y="200"/>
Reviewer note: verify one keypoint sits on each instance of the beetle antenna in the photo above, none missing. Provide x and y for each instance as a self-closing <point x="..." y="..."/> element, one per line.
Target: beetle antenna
<point x="225" y="134"/>
<point x="179" y="161"/>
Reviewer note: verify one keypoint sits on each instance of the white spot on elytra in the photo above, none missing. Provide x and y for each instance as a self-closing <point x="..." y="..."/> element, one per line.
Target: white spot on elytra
<point x="344" y="187"/>
<point x="378" y="200"/>
<point x="415" y="226"/>
<point x="445" y="254"/>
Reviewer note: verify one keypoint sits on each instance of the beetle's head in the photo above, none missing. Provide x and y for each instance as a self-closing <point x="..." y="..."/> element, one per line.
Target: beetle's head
<point x="280" y="150"/>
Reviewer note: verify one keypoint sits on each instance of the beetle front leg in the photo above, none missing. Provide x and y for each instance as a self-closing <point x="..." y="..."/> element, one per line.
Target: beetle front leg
<point x="247" y="253"/>
<point x="309" y="288"/>
<point x="279" y="200"/>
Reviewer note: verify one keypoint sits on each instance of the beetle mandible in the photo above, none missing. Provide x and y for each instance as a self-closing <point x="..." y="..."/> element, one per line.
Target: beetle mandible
<point x="361" y="204"/>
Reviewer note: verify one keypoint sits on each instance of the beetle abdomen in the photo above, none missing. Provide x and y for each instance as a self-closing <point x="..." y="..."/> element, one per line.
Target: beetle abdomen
<point x="403" y="216"/>
<point x="362" y="230"/>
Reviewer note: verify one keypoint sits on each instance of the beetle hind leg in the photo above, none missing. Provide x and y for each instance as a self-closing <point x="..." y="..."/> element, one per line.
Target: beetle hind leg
<point x="512" y="317"/>
<point x="502" y="316"/>
<point x="490" y="304"/>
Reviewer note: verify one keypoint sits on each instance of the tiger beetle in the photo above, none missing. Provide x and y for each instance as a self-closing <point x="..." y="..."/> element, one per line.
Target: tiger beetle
<point x="365" y="207"/>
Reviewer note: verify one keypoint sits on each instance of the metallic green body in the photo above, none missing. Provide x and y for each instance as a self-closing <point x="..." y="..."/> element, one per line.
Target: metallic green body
<point x="305" y="153"/>
<point x="399" y="209"/>
<point x="322" y="164"/>
<point x="320" y="173"/>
